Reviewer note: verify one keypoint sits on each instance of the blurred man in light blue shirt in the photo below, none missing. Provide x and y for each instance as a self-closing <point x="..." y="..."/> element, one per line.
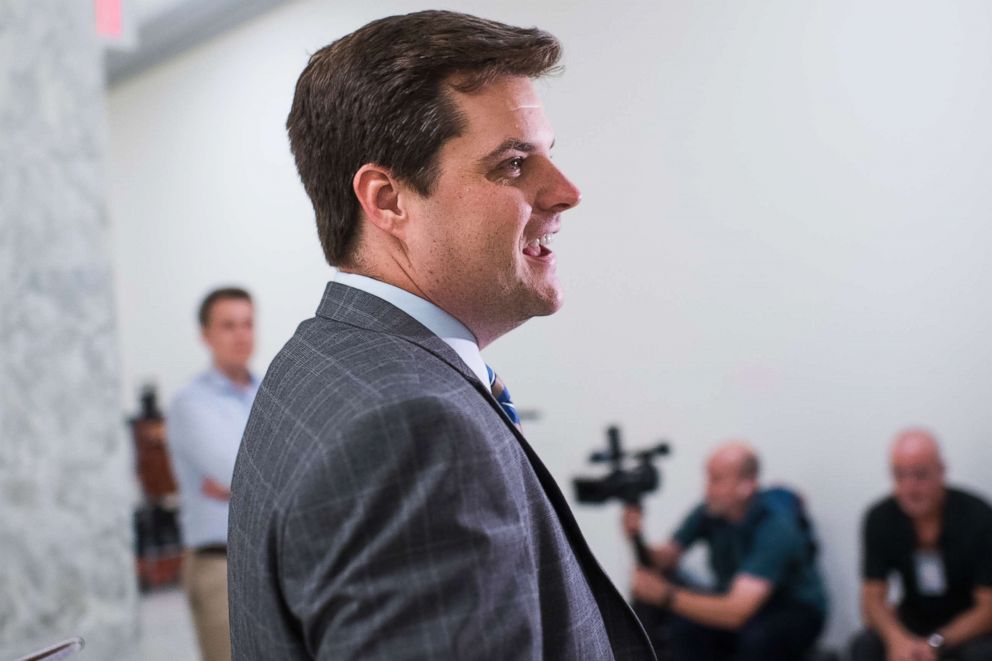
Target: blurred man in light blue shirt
<point x="204" y="424"/>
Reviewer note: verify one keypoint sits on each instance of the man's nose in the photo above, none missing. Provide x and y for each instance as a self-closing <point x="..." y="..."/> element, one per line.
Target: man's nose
<point x="559" y="193"/>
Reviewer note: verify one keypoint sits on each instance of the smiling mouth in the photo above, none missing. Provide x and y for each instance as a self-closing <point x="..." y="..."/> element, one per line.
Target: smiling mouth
<point x="539" y="247"/>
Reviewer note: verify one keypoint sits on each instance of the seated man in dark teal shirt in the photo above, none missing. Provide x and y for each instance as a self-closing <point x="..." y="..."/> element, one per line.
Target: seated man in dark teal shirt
<point x="769" y="602"/>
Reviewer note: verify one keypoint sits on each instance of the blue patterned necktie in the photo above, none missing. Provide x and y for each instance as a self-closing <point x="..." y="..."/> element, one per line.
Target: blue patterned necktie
<point x="502" y="396"/>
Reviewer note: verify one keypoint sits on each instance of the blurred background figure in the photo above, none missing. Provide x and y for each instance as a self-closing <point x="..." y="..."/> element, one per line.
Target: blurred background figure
<point x="768" y="603"/>
<point x="938" y="540"/>
<point x="205" y="423"/>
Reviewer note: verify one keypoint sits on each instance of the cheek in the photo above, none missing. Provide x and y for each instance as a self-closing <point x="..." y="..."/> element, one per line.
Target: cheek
<point x="913" y="492"/>
<point x="494" y="239"/>
<point x="472" y="225"/>
<point x="904" y="492"/>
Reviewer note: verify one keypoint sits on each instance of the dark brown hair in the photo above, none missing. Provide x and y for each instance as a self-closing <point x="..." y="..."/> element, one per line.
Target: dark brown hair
<point x="222" y="294"/>
<point x="378" y="95"/>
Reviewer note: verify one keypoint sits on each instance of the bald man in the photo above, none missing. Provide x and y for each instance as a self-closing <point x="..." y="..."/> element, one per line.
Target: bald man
<point x="938" y="540"/>
<point x="769" y="602"/>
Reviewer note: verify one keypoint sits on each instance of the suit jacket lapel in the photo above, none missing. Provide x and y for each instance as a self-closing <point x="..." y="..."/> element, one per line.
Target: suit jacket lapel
<point x="358" y="308"/>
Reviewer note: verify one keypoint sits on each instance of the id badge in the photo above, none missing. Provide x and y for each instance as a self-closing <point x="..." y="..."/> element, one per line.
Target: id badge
<point x="930" y="577"/>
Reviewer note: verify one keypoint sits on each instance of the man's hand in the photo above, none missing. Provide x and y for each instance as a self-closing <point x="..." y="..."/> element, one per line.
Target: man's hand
<point x="651" y="588"/>
<point x="666" y="556"/>
<point x="631" y="520"/>
<point x="211" y="488"/>
<point x="909" y="648"/>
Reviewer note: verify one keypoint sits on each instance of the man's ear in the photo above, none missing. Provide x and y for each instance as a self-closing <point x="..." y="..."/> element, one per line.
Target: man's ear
<point x="379" y="194"/>
<point x="747" y="488"/>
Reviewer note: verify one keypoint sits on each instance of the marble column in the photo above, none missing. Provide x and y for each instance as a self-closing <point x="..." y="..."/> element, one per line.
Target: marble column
<point x="66" y="485"/>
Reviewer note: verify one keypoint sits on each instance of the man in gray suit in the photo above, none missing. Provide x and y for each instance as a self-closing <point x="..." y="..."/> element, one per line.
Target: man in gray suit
<point x="385" y="503"/>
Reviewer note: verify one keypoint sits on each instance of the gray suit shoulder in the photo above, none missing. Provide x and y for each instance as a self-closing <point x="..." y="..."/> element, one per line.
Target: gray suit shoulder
<point x="331" y="377"/>
<point x="352" y="368"/>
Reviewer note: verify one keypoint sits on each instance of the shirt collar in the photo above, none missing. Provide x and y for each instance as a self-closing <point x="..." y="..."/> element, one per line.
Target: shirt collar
<point x="221" y="380"/>
<point x="450" y="330"/>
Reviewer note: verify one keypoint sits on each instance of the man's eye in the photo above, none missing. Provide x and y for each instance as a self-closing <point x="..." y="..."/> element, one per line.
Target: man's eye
<point x="508" y="170"/>
<point x="514" y="165"/>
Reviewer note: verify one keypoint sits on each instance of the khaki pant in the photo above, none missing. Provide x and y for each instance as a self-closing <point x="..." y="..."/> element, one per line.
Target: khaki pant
<point x="205" y="582"/>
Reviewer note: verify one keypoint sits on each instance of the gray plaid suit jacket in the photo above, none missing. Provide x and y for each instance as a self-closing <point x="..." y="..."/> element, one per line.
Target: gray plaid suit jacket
<point x="384" y="507"/>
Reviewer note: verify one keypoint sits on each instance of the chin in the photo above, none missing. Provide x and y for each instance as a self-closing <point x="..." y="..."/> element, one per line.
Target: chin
<point x="548" y="302"/>
<point x="914" y="509"/>
<point x="549" y="309"/>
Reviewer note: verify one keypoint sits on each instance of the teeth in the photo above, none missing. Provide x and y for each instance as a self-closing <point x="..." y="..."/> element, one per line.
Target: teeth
<point x="536" y="244"/>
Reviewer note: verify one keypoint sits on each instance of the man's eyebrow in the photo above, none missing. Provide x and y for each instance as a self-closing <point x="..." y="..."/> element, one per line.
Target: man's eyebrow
<point x="508" y="145"/>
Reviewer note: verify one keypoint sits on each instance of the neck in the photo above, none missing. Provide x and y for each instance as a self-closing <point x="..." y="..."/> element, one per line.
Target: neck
<point x="928" y="530"/>
<point x="485" y="330"/>
<point x="392" y="275"/>
<point x="935" y="514"/>
<point x="238" y="374"/>
<point x="737" y="514"/>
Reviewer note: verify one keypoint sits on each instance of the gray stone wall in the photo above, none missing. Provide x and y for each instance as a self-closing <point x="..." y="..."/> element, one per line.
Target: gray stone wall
<point x="66" y="485"/>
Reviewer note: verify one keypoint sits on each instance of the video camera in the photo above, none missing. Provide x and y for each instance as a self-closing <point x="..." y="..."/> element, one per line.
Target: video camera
<point x="627" y="485"/>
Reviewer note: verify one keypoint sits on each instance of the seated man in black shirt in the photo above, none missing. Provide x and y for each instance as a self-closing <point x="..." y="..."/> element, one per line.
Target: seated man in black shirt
<point x="939" y="541"/>
<point x="769" y="603"/>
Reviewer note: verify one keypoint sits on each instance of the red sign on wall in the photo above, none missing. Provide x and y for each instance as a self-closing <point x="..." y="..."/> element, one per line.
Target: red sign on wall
<point x="108" y="18"/>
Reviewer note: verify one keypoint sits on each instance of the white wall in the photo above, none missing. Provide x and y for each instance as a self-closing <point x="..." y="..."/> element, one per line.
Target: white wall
<point x="784" y="234"/>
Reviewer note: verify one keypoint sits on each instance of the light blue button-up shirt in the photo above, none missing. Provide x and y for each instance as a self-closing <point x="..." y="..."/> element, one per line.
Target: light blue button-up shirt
<point x="204" y="426"/>
<point x="453" y="332"/>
